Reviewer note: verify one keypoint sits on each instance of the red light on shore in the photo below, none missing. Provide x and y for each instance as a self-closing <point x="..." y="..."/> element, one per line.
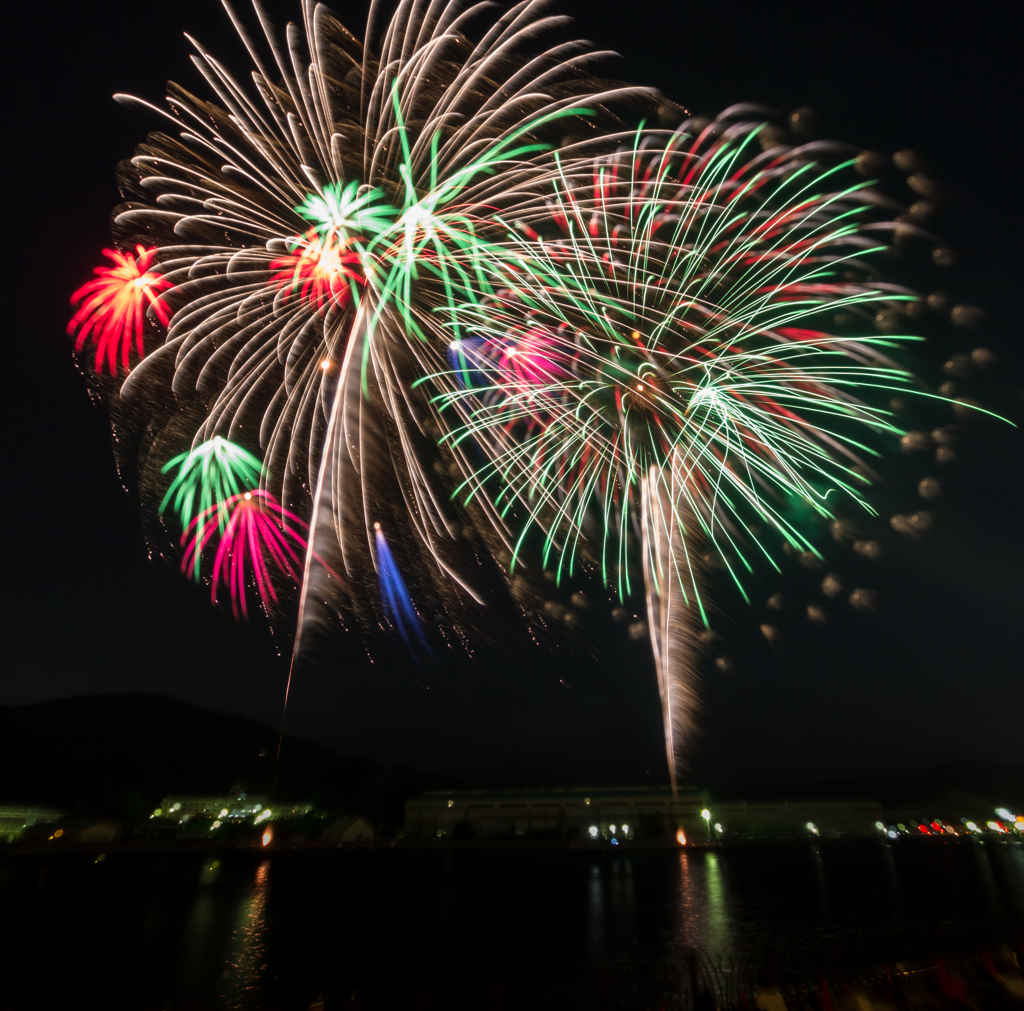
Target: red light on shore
<point x="268" y="834"/>
<point x="681" y="837"/>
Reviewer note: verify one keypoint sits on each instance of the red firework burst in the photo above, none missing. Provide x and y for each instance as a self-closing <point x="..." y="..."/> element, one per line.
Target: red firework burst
<point x="320" y="268"/>
<point x="112" y="307"/>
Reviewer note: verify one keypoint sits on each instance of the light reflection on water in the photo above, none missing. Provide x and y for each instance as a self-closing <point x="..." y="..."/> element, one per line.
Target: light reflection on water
<point x="702" y="917"/>
<point x="717" y="904"/>
<point x="243" y="933"/>
<point x="198" y="937"/>
<point x="595" y="911"/>
<point x="247" y="966"/>
<point x="628" y="911"/>
<point x="820" y="881"/>
<point x="892" y="882"/>
<point x="1013" y="860"/>
<point x="693" y="912"/>
<point x="988" y="880"/>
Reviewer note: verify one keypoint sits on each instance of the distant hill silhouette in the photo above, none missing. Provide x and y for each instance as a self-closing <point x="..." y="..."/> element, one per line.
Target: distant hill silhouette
<point x="117" y="755"/>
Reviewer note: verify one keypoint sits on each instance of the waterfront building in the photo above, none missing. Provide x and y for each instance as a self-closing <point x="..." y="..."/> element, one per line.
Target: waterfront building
<point x="623" y="814"/>
<point x="15" y="818"/>
<point x="236" y="805"/>
<point x="65" y="833"/>
<point x="789" y="819"/>
<point x="608" y="812"/>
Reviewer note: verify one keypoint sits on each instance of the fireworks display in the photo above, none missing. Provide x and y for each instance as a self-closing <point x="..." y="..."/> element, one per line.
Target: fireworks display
<point x="409" y="322"/>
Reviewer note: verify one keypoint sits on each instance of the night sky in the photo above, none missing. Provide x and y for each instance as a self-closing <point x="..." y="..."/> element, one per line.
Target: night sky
<point x="934" y="676"/>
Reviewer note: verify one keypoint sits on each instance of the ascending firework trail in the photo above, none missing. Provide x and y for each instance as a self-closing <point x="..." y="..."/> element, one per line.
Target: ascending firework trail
<point x="412" y="320"/>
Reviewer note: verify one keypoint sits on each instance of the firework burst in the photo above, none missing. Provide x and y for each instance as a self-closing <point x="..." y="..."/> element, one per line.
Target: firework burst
<point x="652" y="374"/>
<point x="259" y="540"/>
<point x="112" y="308"/>
<point x="207" y="479"/>
<point x="438" y="287"/>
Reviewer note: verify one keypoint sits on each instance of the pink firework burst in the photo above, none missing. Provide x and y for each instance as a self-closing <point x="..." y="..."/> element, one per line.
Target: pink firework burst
<point x="112" y="307"/>
<point x="260" y="534"/>
<point x="532" y="361"/>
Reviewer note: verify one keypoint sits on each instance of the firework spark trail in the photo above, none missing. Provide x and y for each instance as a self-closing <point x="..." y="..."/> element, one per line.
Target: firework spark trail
<point x="674" y="616"/>
<point x="440" y="288"/>
<point x="398" y="606"/>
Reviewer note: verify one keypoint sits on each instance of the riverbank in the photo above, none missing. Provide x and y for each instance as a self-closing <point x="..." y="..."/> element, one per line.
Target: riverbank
<point x="261" y="930"/>
<point x="58" y="848"/>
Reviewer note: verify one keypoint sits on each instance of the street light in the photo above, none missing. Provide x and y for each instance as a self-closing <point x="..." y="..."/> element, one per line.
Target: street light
<point x="706" y="815"/>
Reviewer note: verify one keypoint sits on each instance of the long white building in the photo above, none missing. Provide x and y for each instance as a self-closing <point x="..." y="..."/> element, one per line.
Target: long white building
<point x="629" y="813"/>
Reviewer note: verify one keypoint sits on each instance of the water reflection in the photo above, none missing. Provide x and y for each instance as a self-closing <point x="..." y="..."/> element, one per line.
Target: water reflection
<point x="718" y="904"/>
<point x="703" y="909"/>
<point x="201" y="934"/>
<point x="218" y="935"/>
<point x="199" y="937"/>
<point x="1016" y="857"/>
<point x="988" y="879"/>
<point x="595" y="909"/>
<point x="892" y="881"/>
<point x="623" y="904"/>
<point x="820" y="882"/>
<point x="1010" y="862"/>
<point x="245" y="975"/>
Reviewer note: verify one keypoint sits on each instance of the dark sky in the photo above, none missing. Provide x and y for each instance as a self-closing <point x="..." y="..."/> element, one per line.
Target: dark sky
<point x="934" y="676"/>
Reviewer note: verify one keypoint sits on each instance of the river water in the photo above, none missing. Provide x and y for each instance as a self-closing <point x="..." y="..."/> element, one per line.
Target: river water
<point x="406" y="927"/>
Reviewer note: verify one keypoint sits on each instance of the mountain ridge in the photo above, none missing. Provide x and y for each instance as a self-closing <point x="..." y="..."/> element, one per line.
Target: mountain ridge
<point x="118" y="754"/>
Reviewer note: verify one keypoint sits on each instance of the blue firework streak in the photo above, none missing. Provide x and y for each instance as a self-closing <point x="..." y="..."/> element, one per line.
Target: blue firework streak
<point x="394" y="595"/>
